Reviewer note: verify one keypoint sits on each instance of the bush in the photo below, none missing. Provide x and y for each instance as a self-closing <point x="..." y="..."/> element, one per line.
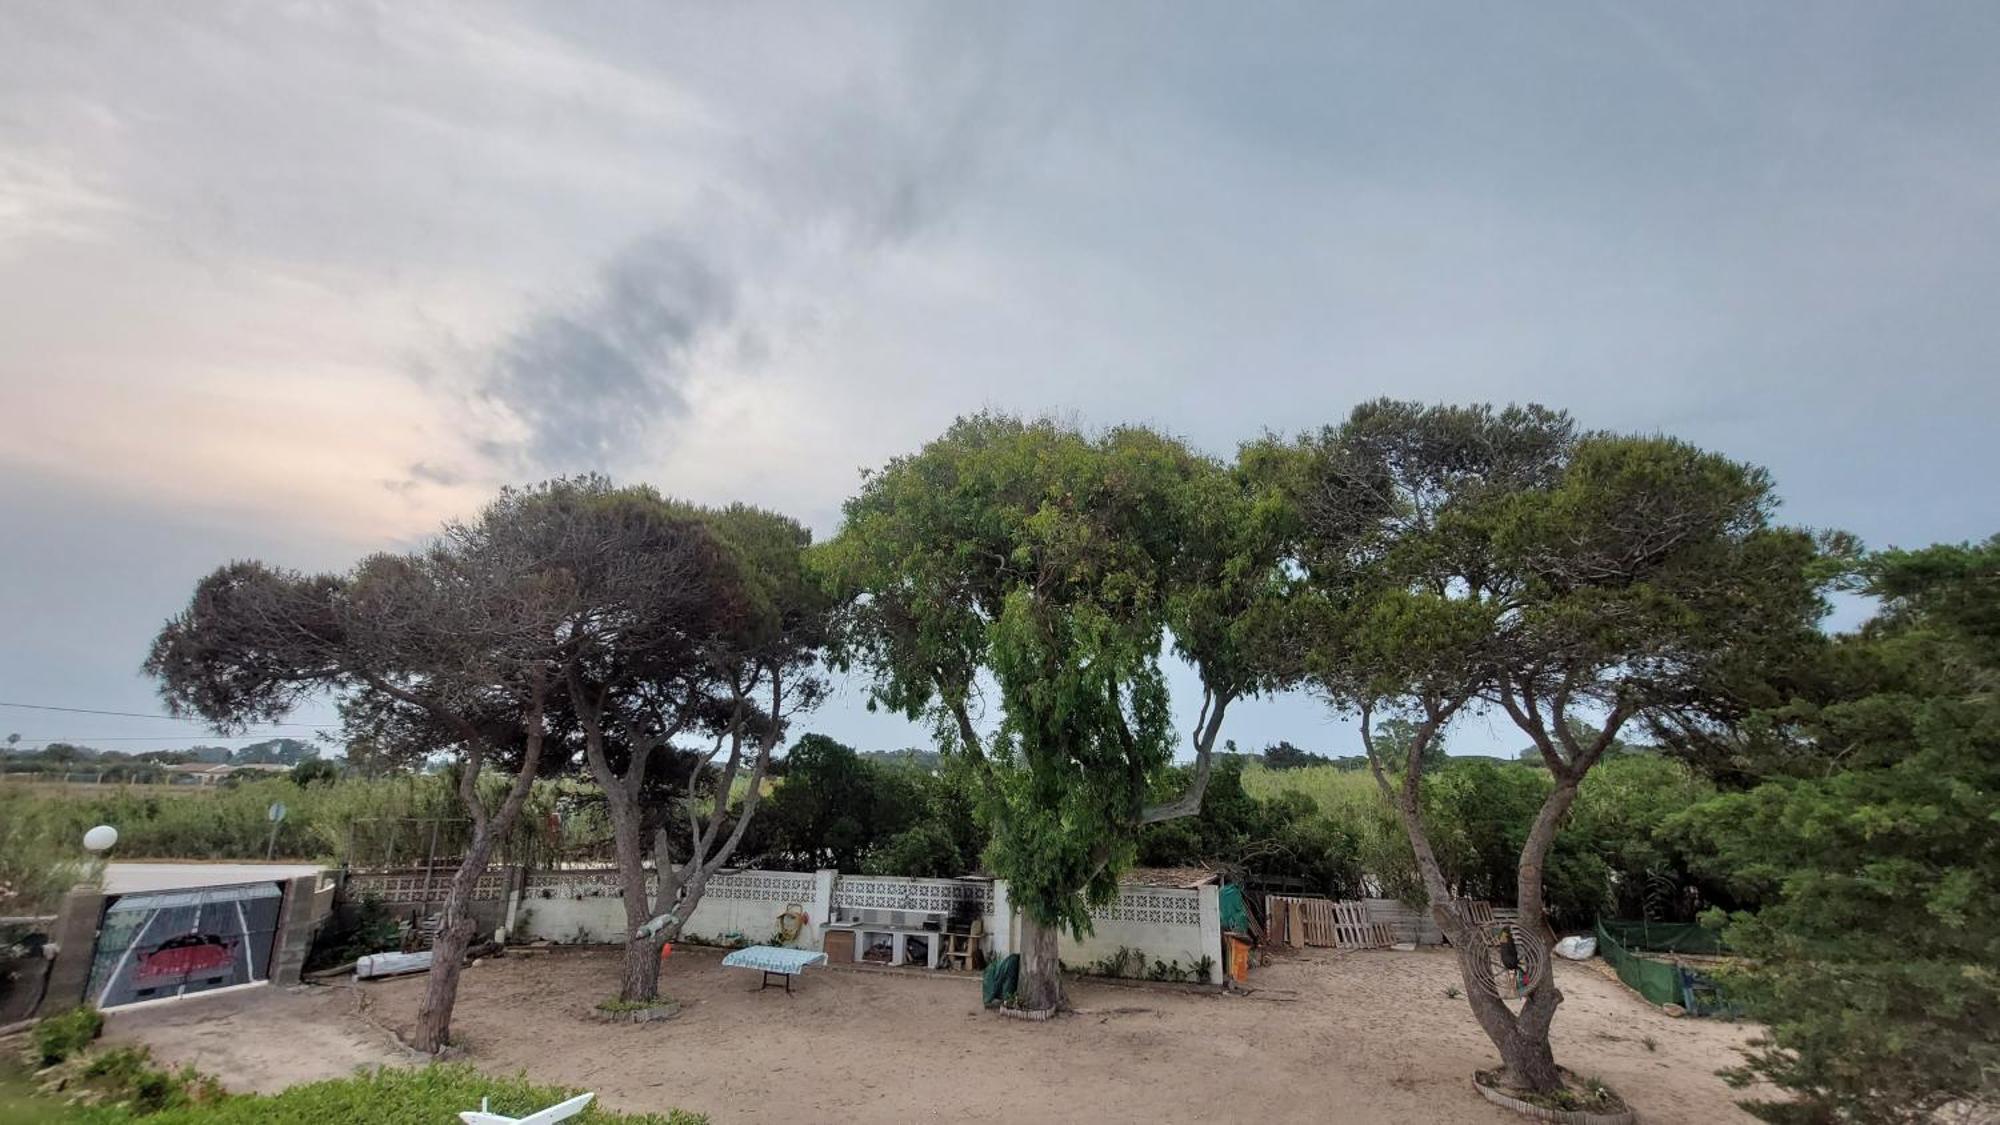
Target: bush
<point x="125" y="1078"/>
<point x="369" y="928"/>
<point x="66" y="1034"/>
<point x="396" y="1097"/>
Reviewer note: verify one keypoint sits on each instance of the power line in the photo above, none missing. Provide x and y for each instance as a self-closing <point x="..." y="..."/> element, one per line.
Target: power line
<point x="80" y="738"/>
<point x="143" y="715"/>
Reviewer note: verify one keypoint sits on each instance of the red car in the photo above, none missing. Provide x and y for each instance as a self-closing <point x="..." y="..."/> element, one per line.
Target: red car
<point x="190" y="955"/>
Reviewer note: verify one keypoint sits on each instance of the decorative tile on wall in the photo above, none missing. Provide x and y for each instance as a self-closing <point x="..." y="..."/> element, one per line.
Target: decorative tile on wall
<point x="409" y="888"/>
<point x="773" y="886"/>
<point x="1159" y="905"/>
<point x="855" y="892"/>
<point x="596" y="883"/>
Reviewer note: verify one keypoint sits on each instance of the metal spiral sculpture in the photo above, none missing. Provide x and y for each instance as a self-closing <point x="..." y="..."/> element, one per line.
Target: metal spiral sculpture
<point x="1510" y="948"/>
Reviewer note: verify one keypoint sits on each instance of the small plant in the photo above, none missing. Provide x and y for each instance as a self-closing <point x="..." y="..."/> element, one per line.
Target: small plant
<point x="370" y="929"/>
<point x="1651" y="1043"/>
<point x="66" y="1034"/>
<point x="1204" y="968"/>
<point x="581" y="936"/>
<point x="616" y="1006"/>
<point x="1126" y="962"/>
<point x="126" y="1076"/>
<point x="1451" y="992"/>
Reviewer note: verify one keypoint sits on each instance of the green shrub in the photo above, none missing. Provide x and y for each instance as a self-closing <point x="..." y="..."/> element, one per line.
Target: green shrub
<point x="125" y="1078"/>
<point x="423" y="1096"/>
<point x="370" y="928"/>
<point x="65" y="1034"/>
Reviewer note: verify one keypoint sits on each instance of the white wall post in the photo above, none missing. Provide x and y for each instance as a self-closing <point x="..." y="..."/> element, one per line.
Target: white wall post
<point x="821" y="910"/>
<point x="1003" y="921"/>
<point x="1210" y="897"/>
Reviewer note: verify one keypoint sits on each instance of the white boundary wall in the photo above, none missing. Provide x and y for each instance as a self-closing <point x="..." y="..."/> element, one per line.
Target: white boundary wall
<point x="1164" y="924"/>
<point x="588" y="907"/>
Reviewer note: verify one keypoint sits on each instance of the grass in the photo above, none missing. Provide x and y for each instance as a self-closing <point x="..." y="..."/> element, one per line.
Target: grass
<point x="133" y="1092"/>
<point x="398" y="1097"/>
<point x="635" y="1005"/>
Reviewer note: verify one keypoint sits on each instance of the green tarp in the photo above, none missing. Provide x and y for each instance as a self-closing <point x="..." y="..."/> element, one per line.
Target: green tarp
<point x="1663" y="937"/>
<point x="1235" y="916"/>
<point x="1002" y="980"/>
<point x="1657" y="980"/>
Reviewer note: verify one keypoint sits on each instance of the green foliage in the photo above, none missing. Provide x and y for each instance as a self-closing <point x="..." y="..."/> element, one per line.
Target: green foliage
<point x="1622" y="838"/>
<point x="1055" y="563"/>
<point x="41" y="855"/>
<point x="833" y="808"/>
<point x="315" y="771"/>
<point x="1284" y="835"/>
<point x="616" y="1005"/>
<point x="421" y="1096"/>
<point x="1874" y="958"/>
<point x="1126" y="962"/>
<point x="125" y="1081"/>
<point x="64" y="1034"/>
<point x="368" y="928"/>
<point x="321" y="820"/>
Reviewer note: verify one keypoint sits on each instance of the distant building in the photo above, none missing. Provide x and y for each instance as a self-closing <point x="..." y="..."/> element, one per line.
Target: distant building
<point x="202" y="773"/>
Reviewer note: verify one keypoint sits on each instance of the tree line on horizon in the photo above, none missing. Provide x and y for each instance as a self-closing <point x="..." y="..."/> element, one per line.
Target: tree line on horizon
<point x="1014" y="584"/>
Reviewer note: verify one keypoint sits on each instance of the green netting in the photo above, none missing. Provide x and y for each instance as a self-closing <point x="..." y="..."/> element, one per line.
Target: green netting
<point x="1655" y="980"/>
<point x="1663" y="937"/>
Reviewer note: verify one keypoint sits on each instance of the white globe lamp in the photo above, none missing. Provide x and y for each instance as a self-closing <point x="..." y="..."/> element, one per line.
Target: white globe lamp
<point x="100" y="839"/>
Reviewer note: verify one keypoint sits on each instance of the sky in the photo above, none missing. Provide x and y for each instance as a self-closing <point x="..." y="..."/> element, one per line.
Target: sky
<point x="298" y="282"/>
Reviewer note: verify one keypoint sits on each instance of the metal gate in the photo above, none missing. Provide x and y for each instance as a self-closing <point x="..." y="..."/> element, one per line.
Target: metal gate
<point x="171" y="943"/>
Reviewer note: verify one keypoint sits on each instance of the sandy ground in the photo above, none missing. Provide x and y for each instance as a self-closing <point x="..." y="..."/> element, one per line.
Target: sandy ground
<point x="1343" y="1037"/>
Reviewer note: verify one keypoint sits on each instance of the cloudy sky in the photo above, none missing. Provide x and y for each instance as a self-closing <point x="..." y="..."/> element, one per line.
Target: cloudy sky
<point x="298" y="281"/>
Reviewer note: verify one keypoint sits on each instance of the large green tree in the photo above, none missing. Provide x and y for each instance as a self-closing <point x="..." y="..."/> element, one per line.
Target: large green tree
<point x="1573" y="582"/>
<point x="1875" y="961"/>
<point x="1050" y="567"/>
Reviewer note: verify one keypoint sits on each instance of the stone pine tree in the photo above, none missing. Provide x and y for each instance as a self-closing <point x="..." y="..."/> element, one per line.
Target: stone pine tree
<point x="449" y="638"/>
<point x="644" y="589"/>
<point x="1047" y="567"/>
<point x="1472" y="559"/>
<point x="722" y="657"/>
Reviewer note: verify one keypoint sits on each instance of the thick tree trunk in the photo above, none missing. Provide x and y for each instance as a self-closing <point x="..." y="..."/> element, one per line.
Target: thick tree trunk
<point x="1523" y="1039"/>
<point x="433" y="1032"/>
<point x="640" y="980"/>
<point x="1041" y="987"/>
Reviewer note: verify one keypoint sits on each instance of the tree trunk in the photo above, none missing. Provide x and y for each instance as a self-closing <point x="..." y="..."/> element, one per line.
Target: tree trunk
<point x="640" y="980"/>
<point x="1523" y="1039"/>
<point x="433" y="1031"/>
<point x="1041" y="987"/>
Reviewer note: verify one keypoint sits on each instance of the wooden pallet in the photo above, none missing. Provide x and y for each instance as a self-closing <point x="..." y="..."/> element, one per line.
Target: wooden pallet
<point x="1324" y="923"/>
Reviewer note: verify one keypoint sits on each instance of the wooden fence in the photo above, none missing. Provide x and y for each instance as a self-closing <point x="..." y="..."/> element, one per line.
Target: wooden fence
<point x="1322" y="922"/>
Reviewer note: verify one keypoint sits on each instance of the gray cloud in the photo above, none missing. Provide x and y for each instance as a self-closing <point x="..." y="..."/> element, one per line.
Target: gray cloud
<point x="589" y="381"/>
<point x="816" y="177"/>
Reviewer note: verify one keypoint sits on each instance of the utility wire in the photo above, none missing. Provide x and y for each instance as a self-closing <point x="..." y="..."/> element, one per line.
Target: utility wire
<point x="81" y="738"/>
<point x="143" y="715"/>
